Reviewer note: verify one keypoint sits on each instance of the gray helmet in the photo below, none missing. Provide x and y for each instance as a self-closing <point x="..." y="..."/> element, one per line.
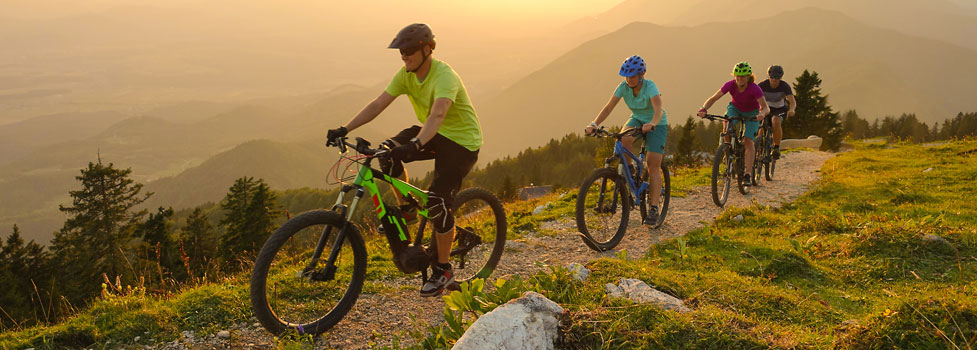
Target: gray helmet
<point x="776" y="72"/>
<point x="413" y="35"/>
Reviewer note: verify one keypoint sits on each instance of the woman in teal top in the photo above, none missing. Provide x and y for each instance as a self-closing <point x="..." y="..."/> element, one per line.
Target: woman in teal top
<point x="642" y="97"/>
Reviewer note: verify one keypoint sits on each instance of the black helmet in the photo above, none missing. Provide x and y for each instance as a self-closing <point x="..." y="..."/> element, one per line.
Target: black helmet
<point x="776" y="72"/>
<point x="413" y="35"/>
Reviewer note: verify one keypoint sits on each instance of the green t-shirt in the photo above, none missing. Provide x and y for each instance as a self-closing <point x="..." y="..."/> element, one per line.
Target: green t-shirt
<point x="461" y="123"/>
<point x="641" y="108"/>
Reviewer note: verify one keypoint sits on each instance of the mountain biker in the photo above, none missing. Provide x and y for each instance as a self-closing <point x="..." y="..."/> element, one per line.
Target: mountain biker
<point x="645" y="101"/>
<point x="451" y="135"/>
<point x="780" y="98"/>
<point x="747" y="101"/>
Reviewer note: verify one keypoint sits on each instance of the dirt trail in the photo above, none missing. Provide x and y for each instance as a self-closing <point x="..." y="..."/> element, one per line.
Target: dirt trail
<point x="389" y="313"/>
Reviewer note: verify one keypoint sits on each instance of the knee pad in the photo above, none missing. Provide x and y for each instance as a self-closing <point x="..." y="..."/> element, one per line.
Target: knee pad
<point x="439" y="214"/>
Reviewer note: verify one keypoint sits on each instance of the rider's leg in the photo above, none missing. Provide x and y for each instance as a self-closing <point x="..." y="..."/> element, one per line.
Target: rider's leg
<point x="777" y="131"/>
<point x="750" y="153"/>
<point x="654" y="163"/>
<point x="628" y="143"/>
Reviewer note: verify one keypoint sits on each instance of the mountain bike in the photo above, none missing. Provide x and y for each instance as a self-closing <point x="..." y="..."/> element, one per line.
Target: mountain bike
<point x="729" y="160"/>
<point x="607" y="197"/>
<point x="311" y="270"/>
<point x="764" y="159"/>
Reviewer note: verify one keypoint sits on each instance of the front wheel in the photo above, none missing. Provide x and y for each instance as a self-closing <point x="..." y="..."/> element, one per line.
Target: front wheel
<point x="666" y="193"/>
<point x="603" y="208"/>
<point x="762" y="150"/>
<point x="722" y="174"/>
<point x="480" y="230"/>
<point x="288" y="293"/>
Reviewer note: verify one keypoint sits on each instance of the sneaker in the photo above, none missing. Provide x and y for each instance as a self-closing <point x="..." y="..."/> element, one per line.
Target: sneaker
<point x="652" y="217"/>
<point x="776" y="152"/>
<point x="441" y="277"/>
<point x="748" y="180"/>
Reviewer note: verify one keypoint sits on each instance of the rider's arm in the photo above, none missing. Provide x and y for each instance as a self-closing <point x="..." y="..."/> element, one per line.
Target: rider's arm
<point x="791" y="103"/>
<point x="606" y="111"/>
<point x="715" y="97"/>
<point x="656" y="103"/>
<point x="438" y="110"/>
<point x="764" y="110"/>
<point x="372" y="110"/>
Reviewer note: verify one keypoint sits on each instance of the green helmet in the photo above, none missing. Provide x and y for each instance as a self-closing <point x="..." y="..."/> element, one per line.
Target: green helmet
<point x="742" y="68"/>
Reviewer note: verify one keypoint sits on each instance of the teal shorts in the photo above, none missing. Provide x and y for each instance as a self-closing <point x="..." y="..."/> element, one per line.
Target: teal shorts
<point x="655" y="139"/>
<point x="752" y="126"/>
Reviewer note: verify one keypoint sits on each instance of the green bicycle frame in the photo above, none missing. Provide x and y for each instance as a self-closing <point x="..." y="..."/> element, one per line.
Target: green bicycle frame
<point x="366" y="179"/>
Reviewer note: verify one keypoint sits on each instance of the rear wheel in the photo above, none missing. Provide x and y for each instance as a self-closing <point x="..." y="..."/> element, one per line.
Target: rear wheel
<point x="722" y="174"/>
<point x="287" y="295"/>
<point x="603" y="208"/>
<point x="771" y="165"/>
<point x="480" y="230"/>
<point x="762" y="151"/>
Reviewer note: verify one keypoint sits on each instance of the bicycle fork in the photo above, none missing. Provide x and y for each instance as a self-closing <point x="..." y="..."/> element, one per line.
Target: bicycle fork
<point x="328" y="273"/>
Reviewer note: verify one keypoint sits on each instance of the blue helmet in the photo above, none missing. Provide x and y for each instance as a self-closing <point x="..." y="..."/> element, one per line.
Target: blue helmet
<point x="632" y="66"/>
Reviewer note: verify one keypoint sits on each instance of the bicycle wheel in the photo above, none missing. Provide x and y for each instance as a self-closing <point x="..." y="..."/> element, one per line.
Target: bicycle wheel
<point x="666" y="193"/>
<point x="722" y="174"/>
<point x="772" y="164"/>
<point x="480" y="230"/>
<point x="603" y="208"/>
<point x="287" y="296"/>
<point x="758" y="157"/>
<point x="741" y="170"/>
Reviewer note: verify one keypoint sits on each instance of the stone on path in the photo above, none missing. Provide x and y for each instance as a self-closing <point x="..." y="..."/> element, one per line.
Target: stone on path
<point x="223" y="334"/>
<point x="578" y="272"/>
<point x="640" y="292"/>
<point x="529" y="322"/>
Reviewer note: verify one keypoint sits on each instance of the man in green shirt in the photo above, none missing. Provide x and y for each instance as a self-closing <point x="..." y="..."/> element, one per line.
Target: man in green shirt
<point x="451" y="135"/>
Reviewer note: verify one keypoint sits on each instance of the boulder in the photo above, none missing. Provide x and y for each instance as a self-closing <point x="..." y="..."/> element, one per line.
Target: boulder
<point x="640" y="292"/>
<point x="528" y="322"/>
<point x="812" y="142"/>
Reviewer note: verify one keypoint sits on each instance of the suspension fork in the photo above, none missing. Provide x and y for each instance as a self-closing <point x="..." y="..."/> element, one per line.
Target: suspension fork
<point x="329" y="271"/>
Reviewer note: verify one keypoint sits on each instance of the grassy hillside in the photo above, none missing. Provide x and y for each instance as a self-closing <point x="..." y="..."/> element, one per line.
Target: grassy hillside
<point x="853" y="264"/>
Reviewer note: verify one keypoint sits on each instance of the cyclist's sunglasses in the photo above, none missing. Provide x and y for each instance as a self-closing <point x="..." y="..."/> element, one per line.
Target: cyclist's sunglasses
<point x="407" y="51"/>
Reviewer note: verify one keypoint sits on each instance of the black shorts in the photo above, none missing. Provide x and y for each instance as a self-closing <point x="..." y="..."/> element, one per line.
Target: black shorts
<point x="777" y="111"/>
<point x="452" y="162"/>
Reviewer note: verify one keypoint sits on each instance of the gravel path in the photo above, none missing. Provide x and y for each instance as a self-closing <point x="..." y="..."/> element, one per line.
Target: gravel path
<point x="391" y="313"/>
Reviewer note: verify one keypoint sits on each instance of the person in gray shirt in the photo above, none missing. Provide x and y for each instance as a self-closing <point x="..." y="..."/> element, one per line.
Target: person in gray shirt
<point x="780" y="98"/>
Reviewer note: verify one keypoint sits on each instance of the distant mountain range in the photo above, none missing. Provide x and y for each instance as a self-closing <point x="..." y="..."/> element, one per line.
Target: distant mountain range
<point x="877" y="71"/>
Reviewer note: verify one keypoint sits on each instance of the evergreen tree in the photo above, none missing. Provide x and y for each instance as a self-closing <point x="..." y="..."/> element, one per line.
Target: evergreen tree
<point x="509" y="189"/>
<point x="25" y="279"/>
<point x="159" y="253"/>
<point x="854" y="126"/>
<point x="813" y="114"/>
<point x="101" y="223"/>
<point x="199" y="241"/>
<point x="250" y="212"/>
<point x="685" y="154"/>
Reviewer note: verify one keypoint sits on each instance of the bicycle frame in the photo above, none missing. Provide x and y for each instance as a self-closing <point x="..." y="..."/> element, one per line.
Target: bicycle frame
<point x="621" y="152"/>
<point x="365" y="179"/>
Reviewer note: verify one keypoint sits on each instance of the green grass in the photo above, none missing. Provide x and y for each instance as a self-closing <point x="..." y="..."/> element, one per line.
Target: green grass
<point x="847" y="265"/>
<point x="844" y="266"/>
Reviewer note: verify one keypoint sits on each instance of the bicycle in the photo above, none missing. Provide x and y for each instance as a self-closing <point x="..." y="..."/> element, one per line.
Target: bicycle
<point x="598" y="207"/>
<point x="294" y="289"/>
<point x="764" y="161"/>
<point x="729" y="160"/>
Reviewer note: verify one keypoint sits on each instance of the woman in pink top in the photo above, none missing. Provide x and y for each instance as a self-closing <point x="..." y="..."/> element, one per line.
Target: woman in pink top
<point x="747" y="101"/>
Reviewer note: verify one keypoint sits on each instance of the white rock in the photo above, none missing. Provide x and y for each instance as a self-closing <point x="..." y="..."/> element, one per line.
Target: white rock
<point x="640" y="292"/>
<point x="578" y="272"/>
<point x="529" y="322"/>
<point x="224" y="334"/>
<point x="256" y="325"/>
<point x="928" y="170"/>
<point x="539" y="209"/>
<point x="136" y="339"/>
<point x="934" y="239"/>
<point x="738" y="218"/>
<point x="188" y="334"/>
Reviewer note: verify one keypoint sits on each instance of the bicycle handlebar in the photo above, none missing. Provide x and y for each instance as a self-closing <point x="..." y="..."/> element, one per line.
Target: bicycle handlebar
<point x="725" y="117"/>
<point x="362" y="146"/>
<point x="602" y="132"/>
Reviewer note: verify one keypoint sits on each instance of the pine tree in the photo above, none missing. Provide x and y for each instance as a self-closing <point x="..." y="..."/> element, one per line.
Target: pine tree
<point x="199" y="241"/>
<point x="250" y="211"/>
<point x="508" y="190"/>
<point x="685" y="154"/>
<point x="24" y="275"/>
<point x="102" y="222"/>
<point x="813" y="114"/>
<point x="159" y="253"/>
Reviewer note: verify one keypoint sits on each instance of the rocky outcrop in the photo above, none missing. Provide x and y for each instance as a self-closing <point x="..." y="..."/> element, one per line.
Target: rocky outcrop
<point x="640" y="292"/>
<point x="529" y="322"/>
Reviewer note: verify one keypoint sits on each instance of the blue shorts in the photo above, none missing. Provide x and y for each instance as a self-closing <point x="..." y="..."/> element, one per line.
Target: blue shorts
<point x="752" y="126"/>
<point x="655" y="139"/>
